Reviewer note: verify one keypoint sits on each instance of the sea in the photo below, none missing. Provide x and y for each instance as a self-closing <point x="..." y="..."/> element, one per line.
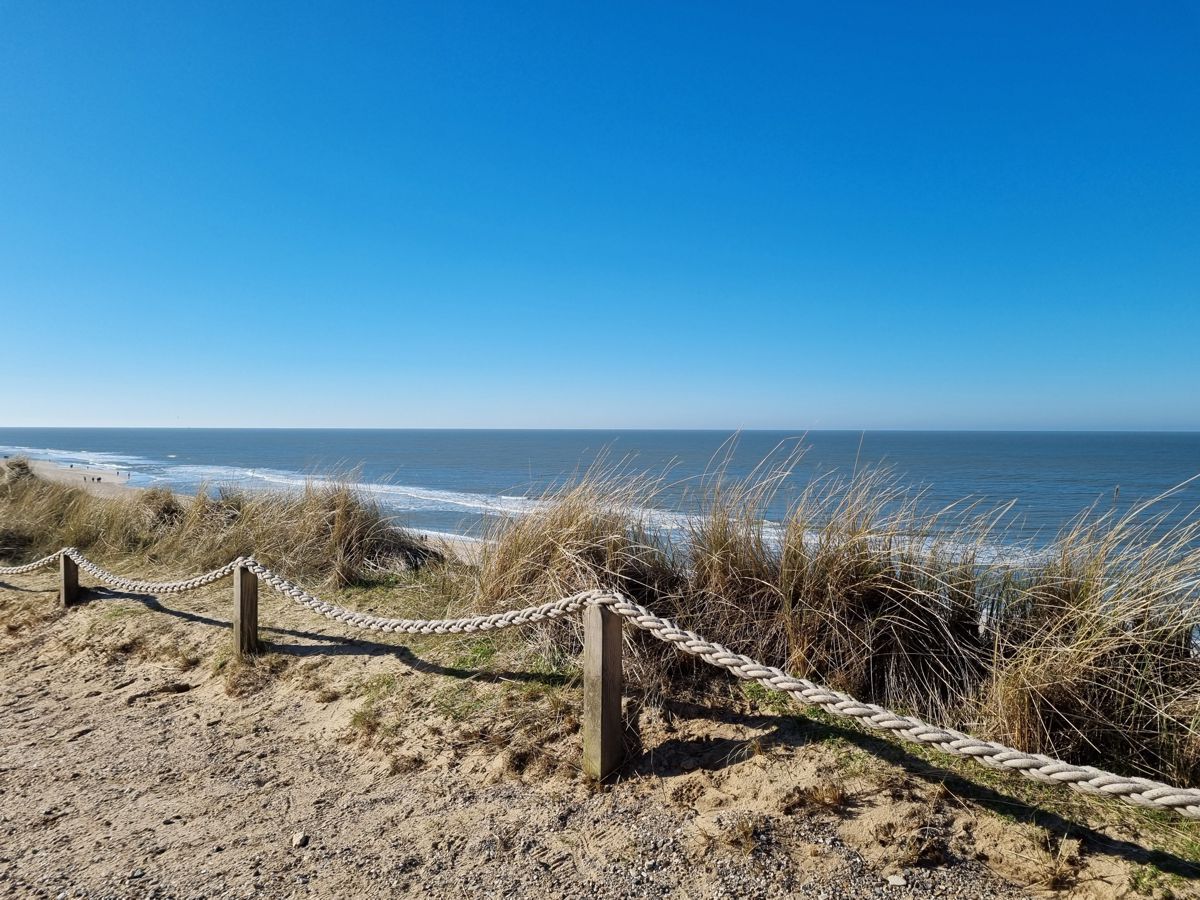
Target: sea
<point x="461" y="481"/>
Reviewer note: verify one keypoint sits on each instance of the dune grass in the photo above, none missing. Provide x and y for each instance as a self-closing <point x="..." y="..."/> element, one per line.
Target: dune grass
<point x="327" y="531"/>
<point x="1085" y="651"/>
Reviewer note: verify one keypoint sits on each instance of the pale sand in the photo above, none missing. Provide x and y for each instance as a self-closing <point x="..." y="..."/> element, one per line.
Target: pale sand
<point x="465" y="549"/>
<point x="111" y="484"/>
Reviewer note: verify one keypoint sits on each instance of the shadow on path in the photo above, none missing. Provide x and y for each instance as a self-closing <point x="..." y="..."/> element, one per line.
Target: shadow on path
<point x="334" y="644"/>
<point x="5" y="586"/>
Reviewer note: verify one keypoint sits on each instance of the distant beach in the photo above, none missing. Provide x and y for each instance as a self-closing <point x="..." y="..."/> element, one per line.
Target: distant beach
<point x="98" y="480"/>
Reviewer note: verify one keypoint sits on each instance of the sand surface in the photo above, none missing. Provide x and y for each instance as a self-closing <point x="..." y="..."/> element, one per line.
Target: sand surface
<point x="102" y="482"/>
<point x="132" y="763"/>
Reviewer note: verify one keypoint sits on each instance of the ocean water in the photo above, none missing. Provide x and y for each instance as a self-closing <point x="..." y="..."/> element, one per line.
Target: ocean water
<point x="455" y="481"/>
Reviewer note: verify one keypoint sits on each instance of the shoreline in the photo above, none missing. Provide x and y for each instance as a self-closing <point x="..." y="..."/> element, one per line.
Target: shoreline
<point x="100" y="481"/>
<point x="112" y="483"/>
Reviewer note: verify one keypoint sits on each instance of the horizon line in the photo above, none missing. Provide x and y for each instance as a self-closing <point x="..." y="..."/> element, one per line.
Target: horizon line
<point x="1096" y="429"/>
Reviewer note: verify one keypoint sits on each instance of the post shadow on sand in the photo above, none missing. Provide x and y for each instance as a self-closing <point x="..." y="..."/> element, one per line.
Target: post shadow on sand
<point x="676" y="756"/>
<point x="5" y="586"/>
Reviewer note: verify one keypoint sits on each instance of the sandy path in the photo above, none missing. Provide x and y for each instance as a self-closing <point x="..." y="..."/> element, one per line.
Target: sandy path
<point x="123" y="773"/>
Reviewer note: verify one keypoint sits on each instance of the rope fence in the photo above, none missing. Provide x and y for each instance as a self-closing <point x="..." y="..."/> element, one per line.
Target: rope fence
<point x="604" y="613"/>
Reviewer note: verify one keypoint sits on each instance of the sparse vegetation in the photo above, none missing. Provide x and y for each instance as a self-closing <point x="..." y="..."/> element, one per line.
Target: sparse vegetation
<point x="1150" y="881"/>
<point x="1084" y="651"/>
<point x="827" y="796"/>
<point x="244" y="677"/>
<point x="1060" y="861"/>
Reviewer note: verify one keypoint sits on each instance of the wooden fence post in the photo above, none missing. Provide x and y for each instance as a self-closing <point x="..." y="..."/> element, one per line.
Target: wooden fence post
<point x="69" y="580"/>
<point x="245" y="612"/>
<point x="603" y="739"/>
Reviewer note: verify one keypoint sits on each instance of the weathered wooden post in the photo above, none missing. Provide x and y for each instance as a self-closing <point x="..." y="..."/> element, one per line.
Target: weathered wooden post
<point x="69" y="579"/>
<point x="245" y="612"/>
<point x="603" y="741"/>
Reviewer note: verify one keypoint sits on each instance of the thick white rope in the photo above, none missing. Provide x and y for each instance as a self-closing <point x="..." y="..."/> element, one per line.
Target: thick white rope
<point x="1136" y="791"/>
<point x="33" y="566"/>
<point x="1086" y="779"/>
<point x="554" y="610"/>
<point x="149" y="587"/>
<point x="127" y="584"/>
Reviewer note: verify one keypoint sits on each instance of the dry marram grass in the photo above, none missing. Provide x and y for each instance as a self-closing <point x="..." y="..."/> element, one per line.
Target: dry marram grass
<point x="327" y="530"/>
<point x="1086" y="651"/>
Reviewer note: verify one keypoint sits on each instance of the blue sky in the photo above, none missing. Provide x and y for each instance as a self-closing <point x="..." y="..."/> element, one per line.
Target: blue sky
<point x="613" y="215"/>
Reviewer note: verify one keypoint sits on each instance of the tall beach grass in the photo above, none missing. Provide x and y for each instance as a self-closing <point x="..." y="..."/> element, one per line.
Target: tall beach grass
<point x="325" y="530"/>
<point x="1085" y="650"/>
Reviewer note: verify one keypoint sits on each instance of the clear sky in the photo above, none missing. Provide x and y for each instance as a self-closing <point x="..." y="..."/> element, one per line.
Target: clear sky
<point x="615" y="215"/>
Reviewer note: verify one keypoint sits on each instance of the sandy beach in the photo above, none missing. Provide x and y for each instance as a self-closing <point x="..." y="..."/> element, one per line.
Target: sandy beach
<point x="103" y="482"/>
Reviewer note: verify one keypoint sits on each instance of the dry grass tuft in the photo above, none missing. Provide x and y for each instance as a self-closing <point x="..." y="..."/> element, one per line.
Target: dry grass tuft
<point x="246" y="677"/>
<point x="827" y="796"/>
<point x="590" y="534"/>
<point x="1095" y="656"/>
<point x="1086" y="651"/>
<point x="329" y="531"/>
<point x="1060" y="861"/>
<point x="14" y="470"/>
<point x="586" y="535"/>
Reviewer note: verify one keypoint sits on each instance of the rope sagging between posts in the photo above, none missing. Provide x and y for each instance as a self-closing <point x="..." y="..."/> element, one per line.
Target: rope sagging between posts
<point x="553" y="610"/>
<point x="1141" y="792"/>
<point x="34" y="566"/>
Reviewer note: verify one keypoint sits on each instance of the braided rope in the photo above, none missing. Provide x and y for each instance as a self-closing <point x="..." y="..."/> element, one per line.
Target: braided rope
<point x="1086" y="779"/>
<point x="1141" y="792"/>
<point x="149" y="587"/>
<point x="33" y="566"/>
<point x="554" y="610"/>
